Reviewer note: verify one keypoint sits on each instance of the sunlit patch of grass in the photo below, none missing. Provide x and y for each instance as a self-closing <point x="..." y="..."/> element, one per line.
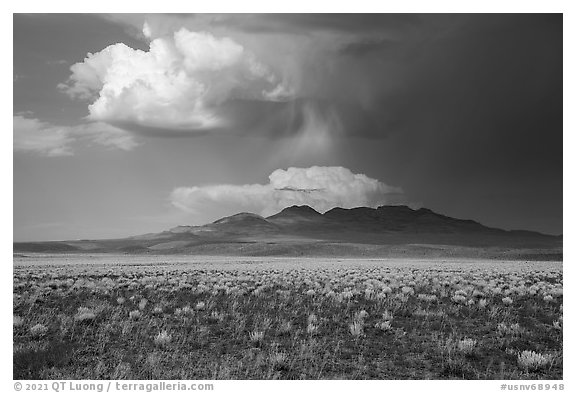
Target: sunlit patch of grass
<point x="162" y="339"/>
<point x="17" y="321"/>
<point x="467" y="346"/>
<point x="38" y="330"/>
<point x="256" y="336"/>
<point x="530" y="360"/>
<point x="84" y="314"/>
<point x="356" y="329"/>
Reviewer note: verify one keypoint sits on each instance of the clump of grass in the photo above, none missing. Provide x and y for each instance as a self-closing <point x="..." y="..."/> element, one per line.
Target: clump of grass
<point x="38" y="330"/>
<point x="467" y="346"/>
<point x="356" y="329"/>
<point x="460" y="292"/>
<point x="387" y="316"/>
<point x="162" y="339"/>
<point x="312" y="318"/>
<point x="558" y="324"/>
<point x="285" y="327"/>
<point x="142" y="304"/>
<point x="187" y="310"/>
<point x="532" y="361"/>
<point x="17" y="321"/>
<point x="427" y="297"/>
<point x="420" y="312"/>
<point x="509" y="330"/>
<point x="265" y="324"/>
<point x="312" y="327"/>
<point x="384" y="326"/>
<point x="459" y="299"/>
<point x="369" y="294"/>
<point x="278" y="359"/>
<point x="408" y="290"/>
<point x="256" y="336"/>
<point x="84" y="314"/>
<point x="216" y="316"/>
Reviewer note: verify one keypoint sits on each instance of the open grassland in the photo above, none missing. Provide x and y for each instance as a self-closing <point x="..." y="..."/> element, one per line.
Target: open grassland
<point x="247" y="318"/>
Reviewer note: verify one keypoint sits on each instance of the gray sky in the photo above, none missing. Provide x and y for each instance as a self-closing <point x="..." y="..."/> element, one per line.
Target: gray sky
<point x="182" y="119"/>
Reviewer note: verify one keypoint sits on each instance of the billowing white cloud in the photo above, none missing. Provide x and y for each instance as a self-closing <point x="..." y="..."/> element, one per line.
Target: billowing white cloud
<point x="33" y="135"/>
<point x="322" y="188"/>
<point x="178" y="84"/>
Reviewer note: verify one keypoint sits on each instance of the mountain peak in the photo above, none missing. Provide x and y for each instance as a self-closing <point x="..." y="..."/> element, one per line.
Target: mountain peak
<point x="297" y="211"/>
<point x="241" y="217"/>
<point x="300" y="209"/>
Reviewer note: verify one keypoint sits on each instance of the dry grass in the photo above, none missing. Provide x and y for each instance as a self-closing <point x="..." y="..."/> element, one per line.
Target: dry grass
<point x="372" y="321"/>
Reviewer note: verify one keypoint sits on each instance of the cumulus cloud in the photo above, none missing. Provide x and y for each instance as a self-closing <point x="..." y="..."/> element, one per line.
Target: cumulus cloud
<point x="178" y="84"/>
<point x="33" y="135"/>
<point x="322" y="188"/>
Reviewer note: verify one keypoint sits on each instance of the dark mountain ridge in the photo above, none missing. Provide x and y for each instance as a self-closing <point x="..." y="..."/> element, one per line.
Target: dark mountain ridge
<point x="301" y="230"/>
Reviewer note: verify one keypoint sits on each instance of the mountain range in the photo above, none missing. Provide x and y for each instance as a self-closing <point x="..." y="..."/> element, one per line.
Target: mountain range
<point x="386" y="231"/>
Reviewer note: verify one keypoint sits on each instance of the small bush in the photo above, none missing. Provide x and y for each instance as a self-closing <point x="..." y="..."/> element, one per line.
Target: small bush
<point x="162" y="339"/>
<point x="384" y="325"/>
<point x="312" y="329"/>
<point x="467" y="345"/>
<point x="459" y="299"/>
<point x="18" y="321"/>
<point x="38" y="330"/>
<point x="84" y="314"/>
<point x="532" y="361"/>
<point x="356" y="329"/>
<point x="256" y="336"/>
<point x="278" y="359"/>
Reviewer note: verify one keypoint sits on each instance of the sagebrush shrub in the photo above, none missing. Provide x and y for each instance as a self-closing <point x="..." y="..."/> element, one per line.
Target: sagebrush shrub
<point x="38" y="330"/>
<point x="356" y="329"/>
<point x="531" y="361"/>
<point x="18" y="321"/>
<point x="162" y="339"/>
<point x="84" y="314"/>
<point x="467" y="345"/>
